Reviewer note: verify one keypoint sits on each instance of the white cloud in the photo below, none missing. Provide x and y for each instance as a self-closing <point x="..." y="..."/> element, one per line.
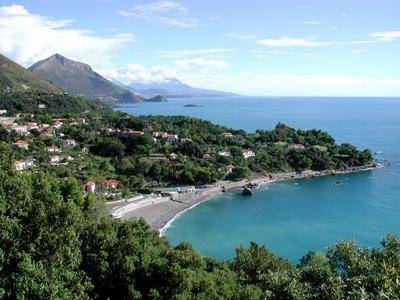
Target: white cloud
<point x="137" y="72"/>
<point x="181" y="69"/>
<point x="291" y="42"/>
<point x="201" y="63"/>
<point x="164" y="12"/>
<point x="268" y="54"/>
<point x="311" y="22"/>
<point x="299" y="85"/>
<point x="241" y="36"/>
<point x="386" y="36"/>
<point x="27" y="38"/>
<point x="193" y="52"/>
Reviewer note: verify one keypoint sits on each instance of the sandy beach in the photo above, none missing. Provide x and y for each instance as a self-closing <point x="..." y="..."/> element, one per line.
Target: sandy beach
<point x="160" y="215"/>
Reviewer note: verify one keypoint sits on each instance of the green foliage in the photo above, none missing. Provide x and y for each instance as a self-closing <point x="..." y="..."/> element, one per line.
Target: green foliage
<point x="14" y="77"/>
<point x="16" y="102"/>
<point x="56" y="243"/>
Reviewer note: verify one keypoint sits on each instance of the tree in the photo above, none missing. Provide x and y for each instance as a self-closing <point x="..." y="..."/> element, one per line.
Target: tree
<point x="72" y="191"/>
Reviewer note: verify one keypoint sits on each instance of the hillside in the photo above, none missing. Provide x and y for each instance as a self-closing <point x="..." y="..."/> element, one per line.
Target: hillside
<point x="80" y="79"/>
<point x="15" y="78"/>
<point x="173" y="88"/>
<point x="39" y="103"/>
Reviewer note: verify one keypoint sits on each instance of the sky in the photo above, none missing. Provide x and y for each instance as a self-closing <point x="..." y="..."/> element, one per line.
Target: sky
<point x="251" y="47"/>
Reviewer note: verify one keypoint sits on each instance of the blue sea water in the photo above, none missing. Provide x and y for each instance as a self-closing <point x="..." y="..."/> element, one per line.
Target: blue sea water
<point x="293" y="219"/>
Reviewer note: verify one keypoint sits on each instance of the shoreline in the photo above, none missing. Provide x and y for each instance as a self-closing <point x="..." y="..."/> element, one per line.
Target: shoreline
<point x="274" y="177"/>
<point x="161" y="216"/>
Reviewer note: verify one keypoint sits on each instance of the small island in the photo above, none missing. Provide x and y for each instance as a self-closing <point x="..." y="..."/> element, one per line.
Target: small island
<point x="193" y="105"/>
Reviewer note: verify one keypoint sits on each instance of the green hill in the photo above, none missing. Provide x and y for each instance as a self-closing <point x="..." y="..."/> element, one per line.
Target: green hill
<point x="15" y="78"/>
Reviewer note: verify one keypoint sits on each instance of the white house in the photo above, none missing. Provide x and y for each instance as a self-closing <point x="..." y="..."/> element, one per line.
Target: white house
<point x="225" y="153"/>
<point x="248" y="153"/>
<point x="230" y="168"/>
<point x="19" y="129"/>
<point x="69" y="143"/>
<point x="89" y="186"/>
<point x="53" y="149"/>
<point x="21" y="165"/>
<point x="228" y="134"/>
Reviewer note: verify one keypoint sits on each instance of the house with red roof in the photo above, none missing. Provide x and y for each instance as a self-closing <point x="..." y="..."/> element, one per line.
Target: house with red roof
<point x="89" y="187"/>
<point x="21" y="145"/>
<point x="111" y="183"/>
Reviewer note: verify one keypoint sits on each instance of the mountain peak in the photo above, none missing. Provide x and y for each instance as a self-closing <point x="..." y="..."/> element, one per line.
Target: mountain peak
<point x="79" y="79"/>
<point x="172" y="87"/>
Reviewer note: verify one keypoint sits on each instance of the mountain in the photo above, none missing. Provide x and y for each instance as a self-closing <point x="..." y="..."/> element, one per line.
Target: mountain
<point x="15" y="78"/>
<point x="173" y="88"/>
<point x="79" y="79"/>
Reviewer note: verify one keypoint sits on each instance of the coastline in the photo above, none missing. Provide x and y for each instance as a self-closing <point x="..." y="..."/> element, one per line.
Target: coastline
<point x="161" y="216"/>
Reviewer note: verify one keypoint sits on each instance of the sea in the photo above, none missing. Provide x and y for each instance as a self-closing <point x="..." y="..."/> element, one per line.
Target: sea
<point x="293" y="217"/>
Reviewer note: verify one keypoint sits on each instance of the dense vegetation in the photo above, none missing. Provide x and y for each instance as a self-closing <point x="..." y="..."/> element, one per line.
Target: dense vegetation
<point x="273" y="150"/>
<point x="56" y="243"/>
<point x="15" y="102"/>
<point x="106" y="149"/>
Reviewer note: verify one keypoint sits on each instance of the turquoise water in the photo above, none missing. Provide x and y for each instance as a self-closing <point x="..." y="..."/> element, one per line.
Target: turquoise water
<point x="293" y="219"/>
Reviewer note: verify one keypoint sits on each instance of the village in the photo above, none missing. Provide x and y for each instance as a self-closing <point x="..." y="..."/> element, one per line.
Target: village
<point x="61" y="150"/>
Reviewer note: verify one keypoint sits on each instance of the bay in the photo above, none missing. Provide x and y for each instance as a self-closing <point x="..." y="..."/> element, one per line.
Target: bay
<point x="293" y="219"/>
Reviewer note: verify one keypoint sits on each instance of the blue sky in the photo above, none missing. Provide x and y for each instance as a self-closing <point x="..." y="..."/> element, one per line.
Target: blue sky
<point x="268" y="47"/>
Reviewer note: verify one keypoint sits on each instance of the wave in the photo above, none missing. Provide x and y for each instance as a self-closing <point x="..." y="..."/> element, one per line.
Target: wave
<point x="169" y="223"/>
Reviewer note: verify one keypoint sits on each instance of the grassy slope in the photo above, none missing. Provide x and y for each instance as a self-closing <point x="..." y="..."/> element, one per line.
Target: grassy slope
<point x="19" y="79"/>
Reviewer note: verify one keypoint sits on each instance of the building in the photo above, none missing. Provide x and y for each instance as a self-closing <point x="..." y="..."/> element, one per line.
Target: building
<point x="111" y="183"/>
<point x="173" y="156"/>
<point x="31" y="126"/>
<point x="135" y="132"/>
<point x="148" y="130"/>
<point x="186" y="140"/>
<point x="89" y="187"/>
<point x="230" y="168"/>
<point x="228" y="134"/>
<point x="225" y="153"/>
<point x="21" y="165"/>
<point x="43" y="126"/>
<point x="21" y="145"/>
<point x="296" y="147"/>
<point x="59" y="159"/>
<point x="70" y="143"/>
<point x="41" y="106"/>
<point x="3" y="111"/>
<point x="19" y="129"/>
<point x="7" y="120"/>
<point x="22" y="115"/>
<point x="171" y="138"/>
<point x="157" y="157"/>
<point x="248" y="153"/>
<point x="54" y="160"/>
<point x="57" y="124"/>
<point x="206" y="157"/>
<point x="53" y="149"/>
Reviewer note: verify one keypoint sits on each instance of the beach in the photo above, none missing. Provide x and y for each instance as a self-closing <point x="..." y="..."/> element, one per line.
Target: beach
<point x="160" y="214"/>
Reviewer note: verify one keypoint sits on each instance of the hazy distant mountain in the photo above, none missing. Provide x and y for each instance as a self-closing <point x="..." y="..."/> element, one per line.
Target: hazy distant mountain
<point x="14" y="77"/>
<point x="173" y="88"/>
<point x="79" y="79"/>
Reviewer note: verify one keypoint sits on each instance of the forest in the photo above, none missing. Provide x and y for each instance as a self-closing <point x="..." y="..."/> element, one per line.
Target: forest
<point x="57" y="243"/>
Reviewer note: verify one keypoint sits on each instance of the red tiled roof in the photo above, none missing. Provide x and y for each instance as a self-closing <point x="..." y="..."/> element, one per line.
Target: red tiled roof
<point x="111" y="182"/>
